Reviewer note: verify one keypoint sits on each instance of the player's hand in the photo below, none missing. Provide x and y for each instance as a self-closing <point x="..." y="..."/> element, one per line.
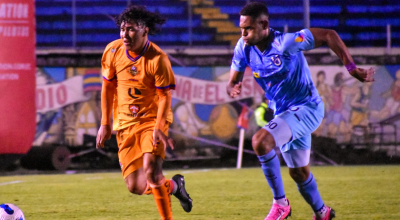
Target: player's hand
<point x="158" y="136"/>
<point x="363" y="75"/>
<point x="234" y="90"/>
<point x="103" y="134"/>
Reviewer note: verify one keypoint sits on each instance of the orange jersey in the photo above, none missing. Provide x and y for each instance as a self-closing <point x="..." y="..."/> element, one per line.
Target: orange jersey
<point x="137" y="77"/>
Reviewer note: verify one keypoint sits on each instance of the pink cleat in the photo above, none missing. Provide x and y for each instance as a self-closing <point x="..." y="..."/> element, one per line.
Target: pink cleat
<point x="278" y="212"/>
<point x="330" y="214"/>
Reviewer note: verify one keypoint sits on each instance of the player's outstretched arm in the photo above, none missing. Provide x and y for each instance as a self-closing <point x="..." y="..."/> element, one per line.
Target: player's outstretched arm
<point x="164" y="103"/>
<point x="331" y="39"/>
<point x="107" y="99"/>
<point x="234" y="86"/>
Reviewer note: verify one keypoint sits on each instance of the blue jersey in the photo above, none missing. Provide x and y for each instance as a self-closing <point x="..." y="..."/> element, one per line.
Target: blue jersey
<point x="281" y="70"/>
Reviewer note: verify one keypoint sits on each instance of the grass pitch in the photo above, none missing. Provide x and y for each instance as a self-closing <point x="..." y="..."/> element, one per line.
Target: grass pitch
<point x="355" y="192"/>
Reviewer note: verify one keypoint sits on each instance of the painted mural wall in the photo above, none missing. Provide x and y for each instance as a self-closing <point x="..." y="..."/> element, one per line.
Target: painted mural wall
<point x="68" y="103"/>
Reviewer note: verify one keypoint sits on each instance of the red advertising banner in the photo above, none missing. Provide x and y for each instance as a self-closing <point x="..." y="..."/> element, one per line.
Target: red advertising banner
<point x="17" y="76"/>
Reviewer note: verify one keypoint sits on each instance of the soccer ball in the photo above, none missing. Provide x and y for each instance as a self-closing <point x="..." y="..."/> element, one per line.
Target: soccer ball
<point x="10" y="212"/>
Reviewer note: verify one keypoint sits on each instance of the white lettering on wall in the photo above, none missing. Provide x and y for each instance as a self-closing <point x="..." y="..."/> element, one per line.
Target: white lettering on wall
<point x="14" y="20"/>
<point x="14" y="10"/>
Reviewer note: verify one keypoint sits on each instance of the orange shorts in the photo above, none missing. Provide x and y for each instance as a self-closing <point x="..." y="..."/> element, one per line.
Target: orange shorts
<point x="136" y="140"/>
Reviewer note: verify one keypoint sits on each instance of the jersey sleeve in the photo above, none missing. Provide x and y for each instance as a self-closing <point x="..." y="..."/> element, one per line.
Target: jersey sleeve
<point x="107" y="64"/>
<point x="164" y="76"/>
<point x="239" y="60"/>
<point x="298" y="41"/>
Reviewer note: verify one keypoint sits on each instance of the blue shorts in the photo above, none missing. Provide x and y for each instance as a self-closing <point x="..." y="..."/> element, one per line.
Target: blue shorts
<point x="296" y="158"/>
<point x="292" y="128"/>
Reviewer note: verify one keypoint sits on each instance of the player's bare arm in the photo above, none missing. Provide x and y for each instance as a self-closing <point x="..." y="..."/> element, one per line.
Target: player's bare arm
<point x="164" y="101"/>
<point x="107" y="97"/>
<point x="331" y="39"/>
<point x="234" y="86"/>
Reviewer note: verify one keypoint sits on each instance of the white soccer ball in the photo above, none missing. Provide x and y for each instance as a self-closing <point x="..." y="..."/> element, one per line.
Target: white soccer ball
<point x="10" y="212"/>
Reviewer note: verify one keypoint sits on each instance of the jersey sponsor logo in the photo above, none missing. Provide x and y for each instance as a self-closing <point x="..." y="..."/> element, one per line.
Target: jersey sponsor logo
<point x="133" y="115"/>
<point x="134" y="109"/>
<point x="257" y="75"/>
<point x="137" y="92"/>
<point x="276" y="60"/>
<point x="299" y="39"/>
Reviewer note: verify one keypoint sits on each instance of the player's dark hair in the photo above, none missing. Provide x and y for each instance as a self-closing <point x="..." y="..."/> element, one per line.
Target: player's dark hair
<point x="141" y="16"/>
<point x="254" y="10"/>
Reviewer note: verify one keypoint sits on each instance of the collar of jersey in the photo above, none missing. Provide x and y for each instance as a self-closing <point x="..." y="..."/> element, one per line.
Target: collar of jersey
<point x="134" y="59"/>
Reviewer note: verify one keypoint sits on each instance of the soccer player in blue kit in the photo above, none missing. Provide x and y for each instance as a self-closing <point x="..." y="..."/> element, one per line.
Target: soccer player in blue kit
<point x="280" y="68"/>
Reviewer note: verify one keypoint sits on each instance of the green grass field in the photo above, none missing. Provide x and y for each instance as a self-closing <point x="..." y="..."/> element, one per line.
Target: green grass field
<point x="355" y="192"/>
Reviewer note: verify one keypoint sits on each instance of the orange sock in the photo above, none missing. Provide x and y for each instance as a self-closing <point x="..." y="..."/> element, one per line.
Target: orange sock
<point x="148" y="190"/>
<point x="161" y="194"/>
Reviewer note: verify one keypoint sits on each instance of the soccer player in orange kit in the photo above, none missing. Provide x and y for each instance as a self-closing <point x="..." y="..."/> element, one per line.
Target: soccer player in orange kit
<point x="136" y="91"/>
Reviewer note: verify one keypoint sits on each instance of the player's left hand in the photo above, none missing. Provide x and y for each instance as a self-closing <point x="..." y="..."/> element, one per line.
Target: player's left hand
<point x="234" y="90"/>
<point x="363" y="75"/>
<point x="158" y="135"/>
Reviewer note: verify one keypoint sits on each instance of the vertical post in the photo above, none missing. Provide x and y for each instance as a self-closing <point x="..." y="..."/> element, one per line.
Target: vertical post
<point x="388" y="39"/>
<point x="306" y="15"/>
<point x="190" y="21"/>
<point x="240" y="149"/>
<point x="74" y="24"/>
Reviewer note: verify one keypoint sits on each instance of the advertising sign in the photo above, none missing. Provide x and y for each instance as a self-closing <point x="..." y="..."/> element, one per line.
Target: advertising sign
<point x="17" y="76"/>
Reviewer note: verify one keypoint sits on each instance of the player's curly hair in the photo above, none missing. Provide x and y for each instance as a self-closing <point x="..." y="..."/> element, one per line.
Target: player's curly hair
<point x="141" y="16"/>
<point x="254" y="10"/>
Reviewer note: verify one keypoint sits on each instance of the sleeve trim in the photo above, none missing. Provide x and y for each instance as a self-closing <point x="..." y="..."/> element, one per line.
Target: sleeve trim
<point x="109" y="80"/>
<point x="172" y="86"/>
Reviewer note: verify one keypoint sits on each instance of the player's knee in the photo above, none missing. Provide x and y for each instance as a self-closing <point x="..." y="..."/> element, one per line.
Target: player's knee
<point x="154" y="176"/>
<point x="299" y="175"/>
<point x="262" y="142"/>
<point x="135" y="189"/>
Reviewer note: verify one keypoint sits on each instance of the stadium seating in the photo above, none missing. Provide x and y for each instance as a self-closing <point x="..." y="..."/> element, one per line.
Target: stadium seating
<point x="214" y="22"/>
<point x="95" y="26"/>
<point x="359" y="23"/>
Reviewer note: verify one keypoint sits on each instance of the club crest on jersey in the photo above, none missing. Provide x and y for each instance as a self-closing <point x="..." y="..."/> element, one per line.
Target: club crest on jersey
<point x="134" y="109"/>
<point x="133" y="71"/>
<point x="299" y="39"/>
<point x="256" y="75"/>
<point x="276" y="60"/>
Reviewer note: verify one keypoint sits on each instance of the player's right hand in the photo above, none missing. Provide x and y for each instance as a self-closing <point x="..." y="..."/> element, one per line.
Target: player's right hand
<point x="234" y="90"/>
<point x="363" y="75"/>
<point x="103" y="134"/>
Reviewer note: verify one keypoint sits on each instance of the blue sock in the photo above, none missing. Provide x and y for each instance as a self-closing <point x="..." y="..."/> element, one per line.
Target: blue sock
<point x="309" y="191"/>
<point x="272" y="170"/>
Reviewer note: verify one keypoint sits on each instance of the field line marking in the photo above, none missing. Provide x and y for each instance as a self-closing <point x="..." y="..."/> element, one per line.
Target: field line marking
<point x="12" y="182"/>
<point x="200" y="170"/>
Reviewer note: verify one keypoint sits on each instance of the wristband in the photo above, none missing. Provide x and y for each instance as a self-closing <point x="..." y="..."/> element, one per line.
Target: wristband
<point x="351" y="66"/>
